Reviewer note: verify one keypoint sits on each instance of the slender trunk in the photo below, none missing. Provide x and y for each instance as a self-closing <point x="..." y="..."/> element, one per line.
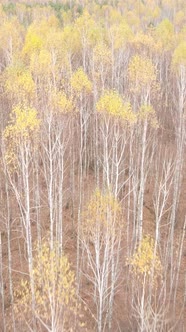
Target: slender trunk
<point x="8" y="216"/>
<point x="2" y="286"/>
<point x="142" y="183"/>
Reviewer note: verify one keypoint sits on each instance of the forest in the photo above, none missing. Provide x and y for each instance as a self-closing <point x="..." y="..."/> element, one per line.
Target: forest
<point x="92" y="166"/>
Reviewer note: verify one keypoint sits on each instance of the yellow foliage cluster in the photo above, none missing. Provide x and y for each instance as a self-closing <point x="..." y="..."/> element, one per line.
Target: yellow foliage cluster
<point x="40" y="63"/>
<point x="70" y="39"/>
<point x="33" y="42"/>
<point x="80" y="82"/>
<point x="19" y="83"/>
<point x="87" y="29"/>
<point x="61" y="103"/>
<point x="145" y="262"/>
<point x="179" y="55"/>
<point x="179" y="18"/>
<point x="165" y="34"/>
<point x="53" y="269"/>
<point x="132" y="19"/>
<point x="23" y="126"/>
<point x="142" y="41"/>
<point x="148" y="112"/>
<point x="54" y="292"/>
<point x="23" y="123"/>
<point x="153" y="11"/>
<point x="141" y="71"/>
<point x="120" y="34"/>
<point x="102" y="53"/>
<point x="103" y="215"/>
<point x="112" y="103"/>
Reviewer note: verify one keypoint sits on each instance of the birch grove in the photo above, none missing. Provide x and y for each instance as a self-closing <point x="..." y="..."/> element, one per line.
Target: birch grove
<point x="92" y="165"/>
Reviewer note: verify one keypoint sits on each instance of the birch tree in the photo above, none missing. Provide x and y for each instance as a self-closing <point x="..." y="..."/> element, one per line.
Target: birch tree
<point x="20" y="136"/>
<point x="55" y="296"/>
<point x="101" y="234"/>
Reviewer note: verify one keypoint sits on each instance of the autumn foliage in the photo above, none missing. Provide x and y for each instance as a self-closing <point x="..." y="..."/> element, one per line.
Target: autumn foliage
<point x="92" y="158"/>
